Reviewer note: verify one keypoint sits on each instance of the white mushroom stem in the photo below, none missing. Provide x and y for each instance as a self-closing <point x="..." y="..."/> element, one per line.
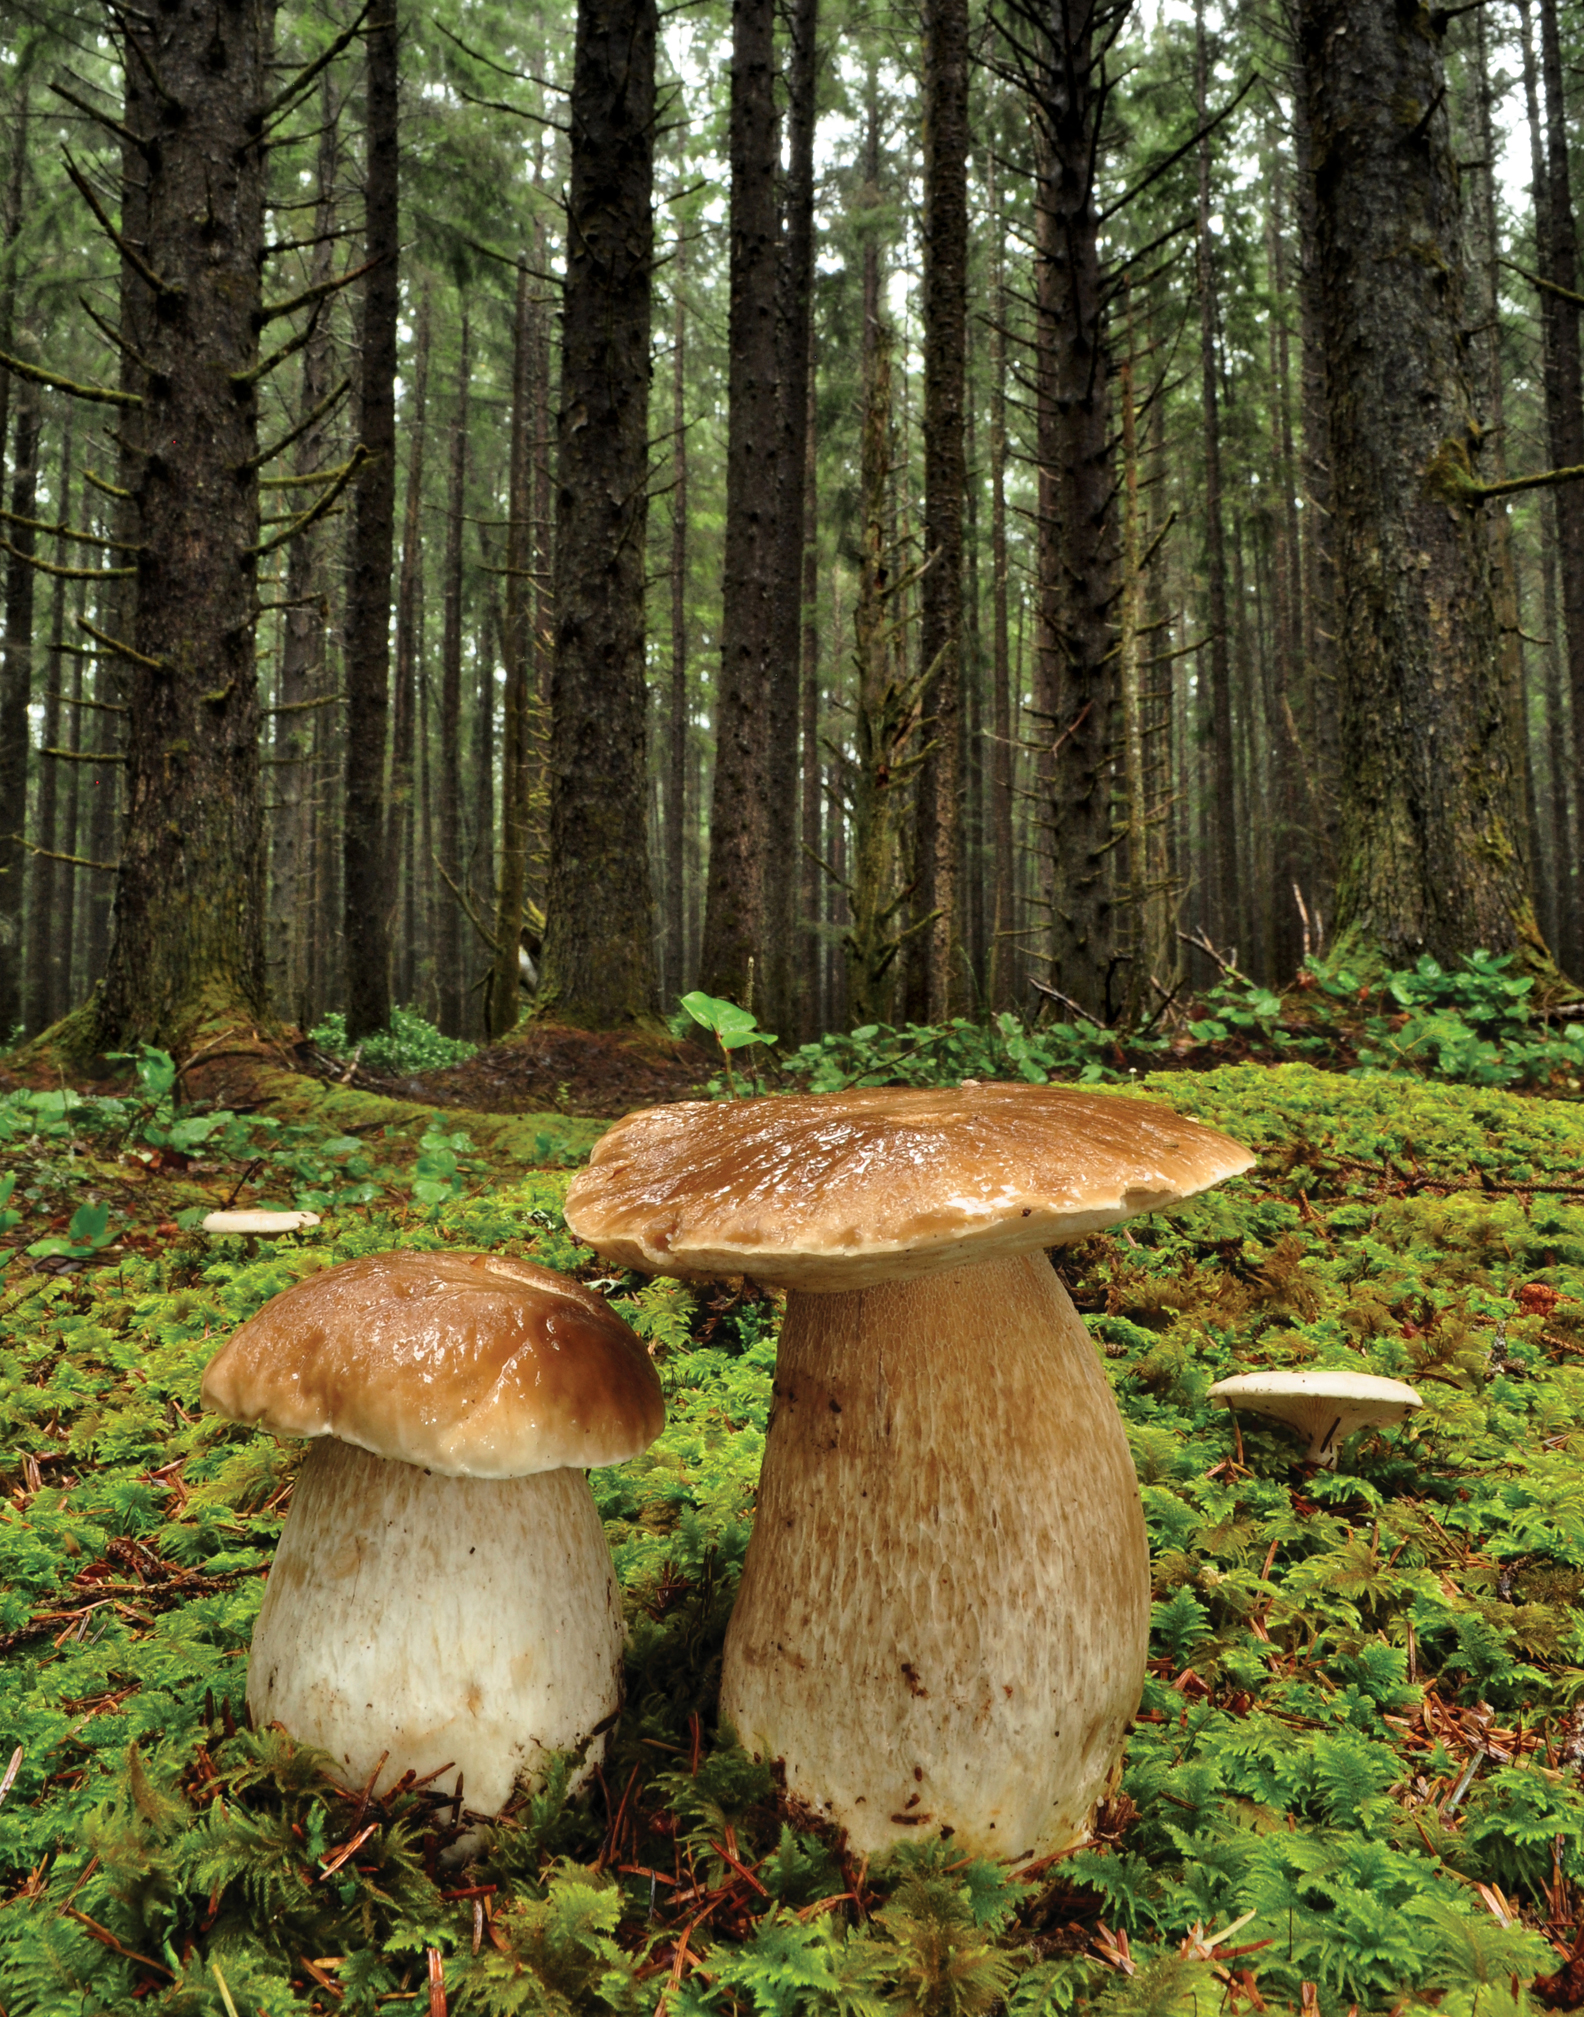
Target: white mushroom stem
<point x="469" y="1622"/>
<point x="944" y="1614"/>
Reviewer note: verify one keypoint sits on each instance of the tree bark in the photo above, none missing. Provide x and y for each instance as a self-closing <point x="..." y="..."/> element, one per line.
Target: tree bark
<point x="1003" y="905"/>
<point x="1075" y="681"/>
<point x="366" y="923"/>
<point x="448" y="937"/>
<point x="49" y="949"/>
<point x="811" y="1001"/>
<point x="734" y="923"/>
<point x="303" y="650"/>
<point x="16" y="697"/>
<point x="401" y="865"/>
<point x="1227" y="906"/>
<point x="937" y="895"/>
<point x="1432" y="804"/>
<point x="502" y="1001"/>
<point x="599" y="946"/>
<point x="783" y="973"/>
<point x="188" y="935"/>
<point x="677" y="713"/>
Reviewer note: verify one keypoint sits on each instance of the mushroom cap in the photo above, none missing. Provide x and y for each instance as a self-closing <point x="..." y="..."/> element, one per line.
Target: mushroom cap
<point x="1320" y="1399"/>
<point x="265" y="1222"/>
<point x="471" y="1365"/>
<point x="840" y="1191"/>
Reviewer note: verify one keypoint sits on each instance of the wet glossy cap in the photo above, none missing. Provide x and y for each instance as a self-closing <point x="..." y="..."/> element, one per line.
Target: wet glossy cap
<point x="837" y="1191"/>
<point x="472" y="1365"/>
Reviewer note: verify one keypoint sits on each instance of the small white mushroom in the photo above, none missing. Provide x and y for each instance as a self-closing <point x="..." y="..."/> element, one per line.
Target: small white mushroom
<point x="259" y="1224"/>
<point x="1323" y="1405"/>
<point x="443" y="1592"/>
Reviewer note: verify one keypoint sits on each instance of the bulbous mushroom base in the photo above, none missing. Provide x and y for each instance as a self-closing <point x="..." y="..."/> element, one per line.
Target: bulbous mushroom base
<point x="944" y="1613"/>
<point x="469" y="1622"/>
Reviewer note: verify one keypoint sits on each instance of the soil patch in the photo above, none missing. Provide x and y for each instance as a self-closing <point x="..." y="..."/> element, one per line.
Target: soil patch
<point x="551" y="1068"/>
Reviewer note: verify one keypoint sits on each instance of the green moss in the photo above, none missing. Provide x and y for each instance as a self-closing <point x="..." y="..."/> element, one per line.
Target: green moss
<point x="1334" y="1658"/>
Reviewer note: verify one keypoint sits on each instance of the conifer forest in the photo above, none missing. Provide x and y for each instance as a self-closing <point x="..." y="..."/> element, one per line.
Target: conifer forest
<point x="791" y="1008"/>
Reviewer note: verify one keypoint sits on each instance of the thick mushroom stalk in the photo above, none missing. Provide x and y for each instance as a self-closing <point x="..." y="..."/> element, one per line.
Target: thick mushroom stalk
<point x="469" y="1623"/>
<point x="944" y="1614"/>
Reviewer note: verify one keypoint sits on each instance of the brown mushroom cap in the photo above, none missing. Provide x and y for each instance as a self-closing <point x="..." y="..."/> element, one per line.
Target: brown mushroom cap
<point x="839" y="1191"/>
<point x="471" y="1365"/>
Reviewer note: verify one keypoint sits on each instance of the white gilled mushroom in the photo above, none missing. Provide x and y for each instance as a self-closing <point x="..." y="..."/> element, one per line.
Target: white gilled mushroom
<point x="443" y="1591"/>
<point x="944" y="1613"/>
<point x="259" y="1224"/>
<point x="1323" y="1405"/>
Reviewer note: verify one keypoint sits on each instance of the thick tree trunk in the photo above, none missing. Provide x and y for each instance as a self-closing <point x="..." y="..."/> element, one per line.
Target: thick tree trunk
<point x="734" y="921"/>
<point x="1076" y="685"/>
<point x="599" y="948"/>
<point x="448" y="938"/>
<point x="366" y="922"/>
<point x="782" y="977"/>
<point x="190" y="903"/>
<point x="1431" y="783"/>
<point x="945" y="474"/>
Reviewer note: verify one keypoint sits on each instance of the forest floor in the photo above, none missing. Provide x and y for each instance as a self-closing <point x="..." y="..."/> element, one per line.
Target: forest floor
<point x="1354" y="1779"/>
<point x="549" y="1067"/>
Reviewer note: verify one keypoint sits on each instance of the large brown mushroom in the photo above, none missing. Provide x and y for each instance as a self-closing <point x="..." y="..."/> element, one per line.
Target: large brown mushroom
<point x="443" y="1594"/>
<point x="944" y="1613"/>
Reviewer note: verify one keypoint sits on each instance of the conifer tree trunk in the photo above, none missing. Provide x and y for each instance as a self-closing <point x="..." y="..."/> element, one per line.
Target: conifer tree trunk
<point x="302" y="654"/>
<point x="49" y="949"/>
<point x="16" y="697"/>
<point x="366" y="924"/>
<point x="1003" y="907"/>
<point x="503" y="994"/>
<point x="1076" y="688"/>
<point x="945" y="475"/>
<point x="1227" y="906"/>
<point x="448" y="940"/>
<point x="401" y="866"/>
<point x="188" y="938"/>
<point x="1432" y="805"/>
<point x="811" y="963"/>
<point x="782" y="977"/>
<point x="677" y="712"/>
<point x="732" y="958"/>
<point x="599" y="946"/>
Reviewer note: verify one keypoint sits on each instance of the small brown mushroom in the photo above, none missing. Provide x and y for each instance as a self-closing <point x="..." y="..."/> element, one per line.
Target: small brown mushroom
<point x="443" y="1593"/>
<point x="944" y="1613"/>
<point x="1323" y="1405"/>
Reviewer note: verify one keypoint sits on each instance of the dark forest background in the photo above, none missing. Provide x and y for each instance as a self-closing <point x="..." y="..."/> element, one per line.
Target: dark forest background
<point x="897" y="563"/>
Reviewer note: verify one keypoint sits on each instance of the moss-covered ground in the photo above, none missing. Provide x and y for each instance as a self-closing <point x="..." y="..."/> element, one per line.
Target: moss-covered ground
<point x="1354" y="1778"/>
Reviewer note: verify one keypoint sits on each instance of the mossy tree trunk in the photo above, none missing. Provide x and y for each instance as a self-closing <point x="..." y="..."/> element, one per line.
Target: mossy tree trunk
<point x="188" y="934"/>
<point x="1434" y="854"/>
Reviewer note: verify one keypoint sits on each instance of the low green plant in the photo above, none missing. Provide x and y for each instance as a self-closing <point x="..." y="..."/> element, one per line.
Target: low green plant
<point x="733" y="1028"/>
<point x="411" y="1046"/>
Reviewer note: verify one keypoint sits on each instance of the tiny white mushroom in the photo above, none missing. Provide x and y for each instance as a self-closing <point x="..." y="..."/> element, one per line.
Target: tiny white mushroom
<point x="443" y="1592"/>
<point x="1323" y="1405"/>
<point x="260" y="1224"/>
